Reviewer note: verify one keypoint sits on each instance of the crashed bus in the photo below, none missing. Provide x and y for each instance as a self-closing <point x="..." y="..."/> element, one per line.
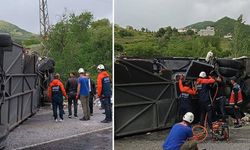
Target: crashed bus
<point x="24" y="78"/>
<point x="146" y="90"/>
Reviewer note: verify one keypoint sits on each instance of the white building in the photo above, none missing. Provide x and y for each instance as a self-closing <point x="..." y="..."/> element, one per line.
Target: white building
<point x="209" y="31"/>
<point x="182" y="30"/>
<point x="228" y="36"/>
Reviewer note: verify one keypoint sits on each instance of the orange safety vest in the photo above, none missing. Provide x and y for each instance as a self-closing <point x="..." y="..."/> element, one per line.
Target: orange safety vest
<point x="232" y="96"/>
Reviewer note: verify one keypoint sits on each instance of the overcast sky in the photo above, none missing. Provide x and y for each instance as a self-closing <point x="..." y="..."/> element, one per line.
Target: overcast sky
<point x="154" y="14"/>
<point x="25" y="13"/>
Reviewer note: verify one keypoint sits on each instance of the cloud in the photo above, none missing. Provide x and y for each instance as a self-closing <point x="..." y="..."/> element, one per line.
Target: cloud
<point x="25" y="13"/>
<point x="177" y="13"/>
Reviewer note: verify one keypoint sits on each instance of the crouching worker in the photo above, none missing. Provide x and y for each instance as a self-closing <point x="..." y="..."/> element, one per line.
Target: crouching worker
<point x="56" y="92"/>
<point x="180" y="135"/>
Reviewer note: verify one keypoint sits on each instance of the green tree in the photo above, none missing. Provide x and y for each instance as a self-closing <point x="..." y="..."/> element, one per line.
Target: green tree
<point x="118" y="47"/>
<point x="78" y="41"/>
<point x="160" y="32"/>
<point x="125" y="32"/>
<point x="239" y="42"/>
<point x="168" y="31"/>
<point x="175" y="32"/>
<point x="190" y="32"/>
<point x="143" y="29"/>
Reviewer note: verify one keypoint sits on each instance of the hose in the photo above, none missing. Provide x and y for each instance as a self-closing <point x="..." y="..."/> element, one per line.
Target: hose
<point x="215" y="94"/>
<point x="201" y="135"/>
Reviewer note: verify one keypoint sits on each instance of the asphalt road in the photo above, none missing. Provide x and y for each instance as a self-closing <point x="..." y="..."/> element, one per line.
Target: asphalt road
<point x="239" y="140"/>
<point x="42" y="130"/>
<point x="100" y="140"/>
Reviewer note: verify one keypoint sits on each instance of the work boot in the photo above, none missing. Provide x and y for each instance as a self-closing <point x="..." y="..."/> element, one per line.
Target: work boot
<point x="238" y="126"/>
<point x="83" y="119"/>
<point x="105" y="121"/>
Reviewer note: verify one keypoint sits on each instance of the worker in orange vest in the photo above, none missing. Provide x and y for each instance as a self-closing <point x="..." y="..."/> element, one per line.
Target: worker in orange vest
<point x="186" y="91"/>
<point x="236" y="100"/>
<point x="203" y="88"/>
<point x="56" y="92"/>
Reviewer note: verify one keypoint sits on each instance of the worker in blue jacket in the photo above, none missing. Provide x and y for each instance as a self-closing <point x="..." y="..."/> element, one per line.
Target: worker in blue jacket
<point x="180" y="134"/>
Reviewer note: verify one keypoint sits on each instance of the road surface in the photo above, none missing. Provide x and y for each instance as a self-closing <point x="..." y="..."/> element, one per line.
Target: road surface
<point x="42" y="132"/>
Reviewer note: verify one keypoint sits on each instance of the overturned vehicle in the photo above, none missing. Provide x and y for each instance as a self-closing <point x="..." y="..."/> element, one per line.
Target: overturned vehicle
<point x="23" y="79"/>
<point x="146" y="90"/>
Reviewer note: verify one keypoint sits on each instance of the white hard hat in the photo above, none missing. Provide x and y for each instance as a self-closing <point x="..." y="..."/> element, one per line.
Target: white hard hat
<point x="202" y="74"/>
<point x="209" y="56"/>
<point x="81" y="70"/>
<point x="101" y="67"/>
<point x="189" y="117"/>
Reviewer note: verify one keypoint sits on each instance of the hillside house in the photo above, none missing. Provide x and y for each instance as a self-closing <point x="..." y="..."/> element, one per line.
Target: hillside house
<point x="209" y="31"/>
<point x="182" y="30"/>
<point x="228" y="36"/>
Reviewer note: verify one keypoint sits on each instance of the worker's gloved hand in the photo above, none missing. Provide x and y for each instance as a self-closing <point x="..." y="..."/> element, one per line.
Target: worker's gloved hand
<point x="236" y="107"/>
<point x="196" y="138"/>
<point x="181" y="77"/>
<point x="211" y="77"/>
<point x="195" y="89"/>
<point x="218" y="79"/>
<point x="77" y="97"/>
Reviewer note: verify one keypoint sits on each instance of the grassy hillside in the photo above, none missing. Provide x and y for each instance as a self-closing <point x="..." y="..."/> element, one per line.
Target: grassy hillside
<point x="169" y="42"/>
<point x="222" y="26"/>
<point x="18" y="35"/>
<point x="201" y="25"/>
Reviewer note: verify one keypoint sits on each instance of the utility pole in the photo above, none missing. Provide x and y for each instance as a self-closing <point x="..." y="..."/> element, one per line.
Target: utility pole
<point x="44" y="18"/>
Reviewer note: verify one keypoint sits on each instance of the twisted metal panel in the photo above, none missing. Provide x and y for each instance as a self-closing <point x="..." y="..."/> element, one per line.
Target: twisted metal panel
<point x="145" y="99"/>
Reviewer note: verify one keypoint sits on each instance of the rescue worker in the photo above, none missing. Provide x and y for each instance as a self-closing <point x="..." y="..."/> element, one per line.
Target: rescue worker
<point x="203" y="88"/>
<point x="186" y="91"/>
<point x="235" y="101"/>
<point x="104" y="92"/>
<point x="180" y="136"/>
<point x="210" y="59"/>
<point x="92" y="93"/>
<point x="56" y="92"/>
<point x="83" y="92"/>
<point x="71" y="89"/>
<point x="220" y="99"/>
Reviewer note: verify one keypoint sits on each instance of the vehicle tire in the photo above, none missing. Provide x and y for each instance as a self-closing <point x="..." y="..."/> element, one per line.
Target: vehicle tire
<point x="229" y="63"/>
<point x="4" y="132"/>
<point x="5" y="40"/>
<point x="228" y="72"/>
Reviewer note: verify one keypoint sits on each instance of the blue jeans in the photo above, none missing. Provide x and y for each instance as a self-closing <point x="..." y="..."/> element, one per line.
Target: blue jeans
<point x="57" y="103"/>
<point x="72" y="99"/>
<point x="108" y="108"/>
